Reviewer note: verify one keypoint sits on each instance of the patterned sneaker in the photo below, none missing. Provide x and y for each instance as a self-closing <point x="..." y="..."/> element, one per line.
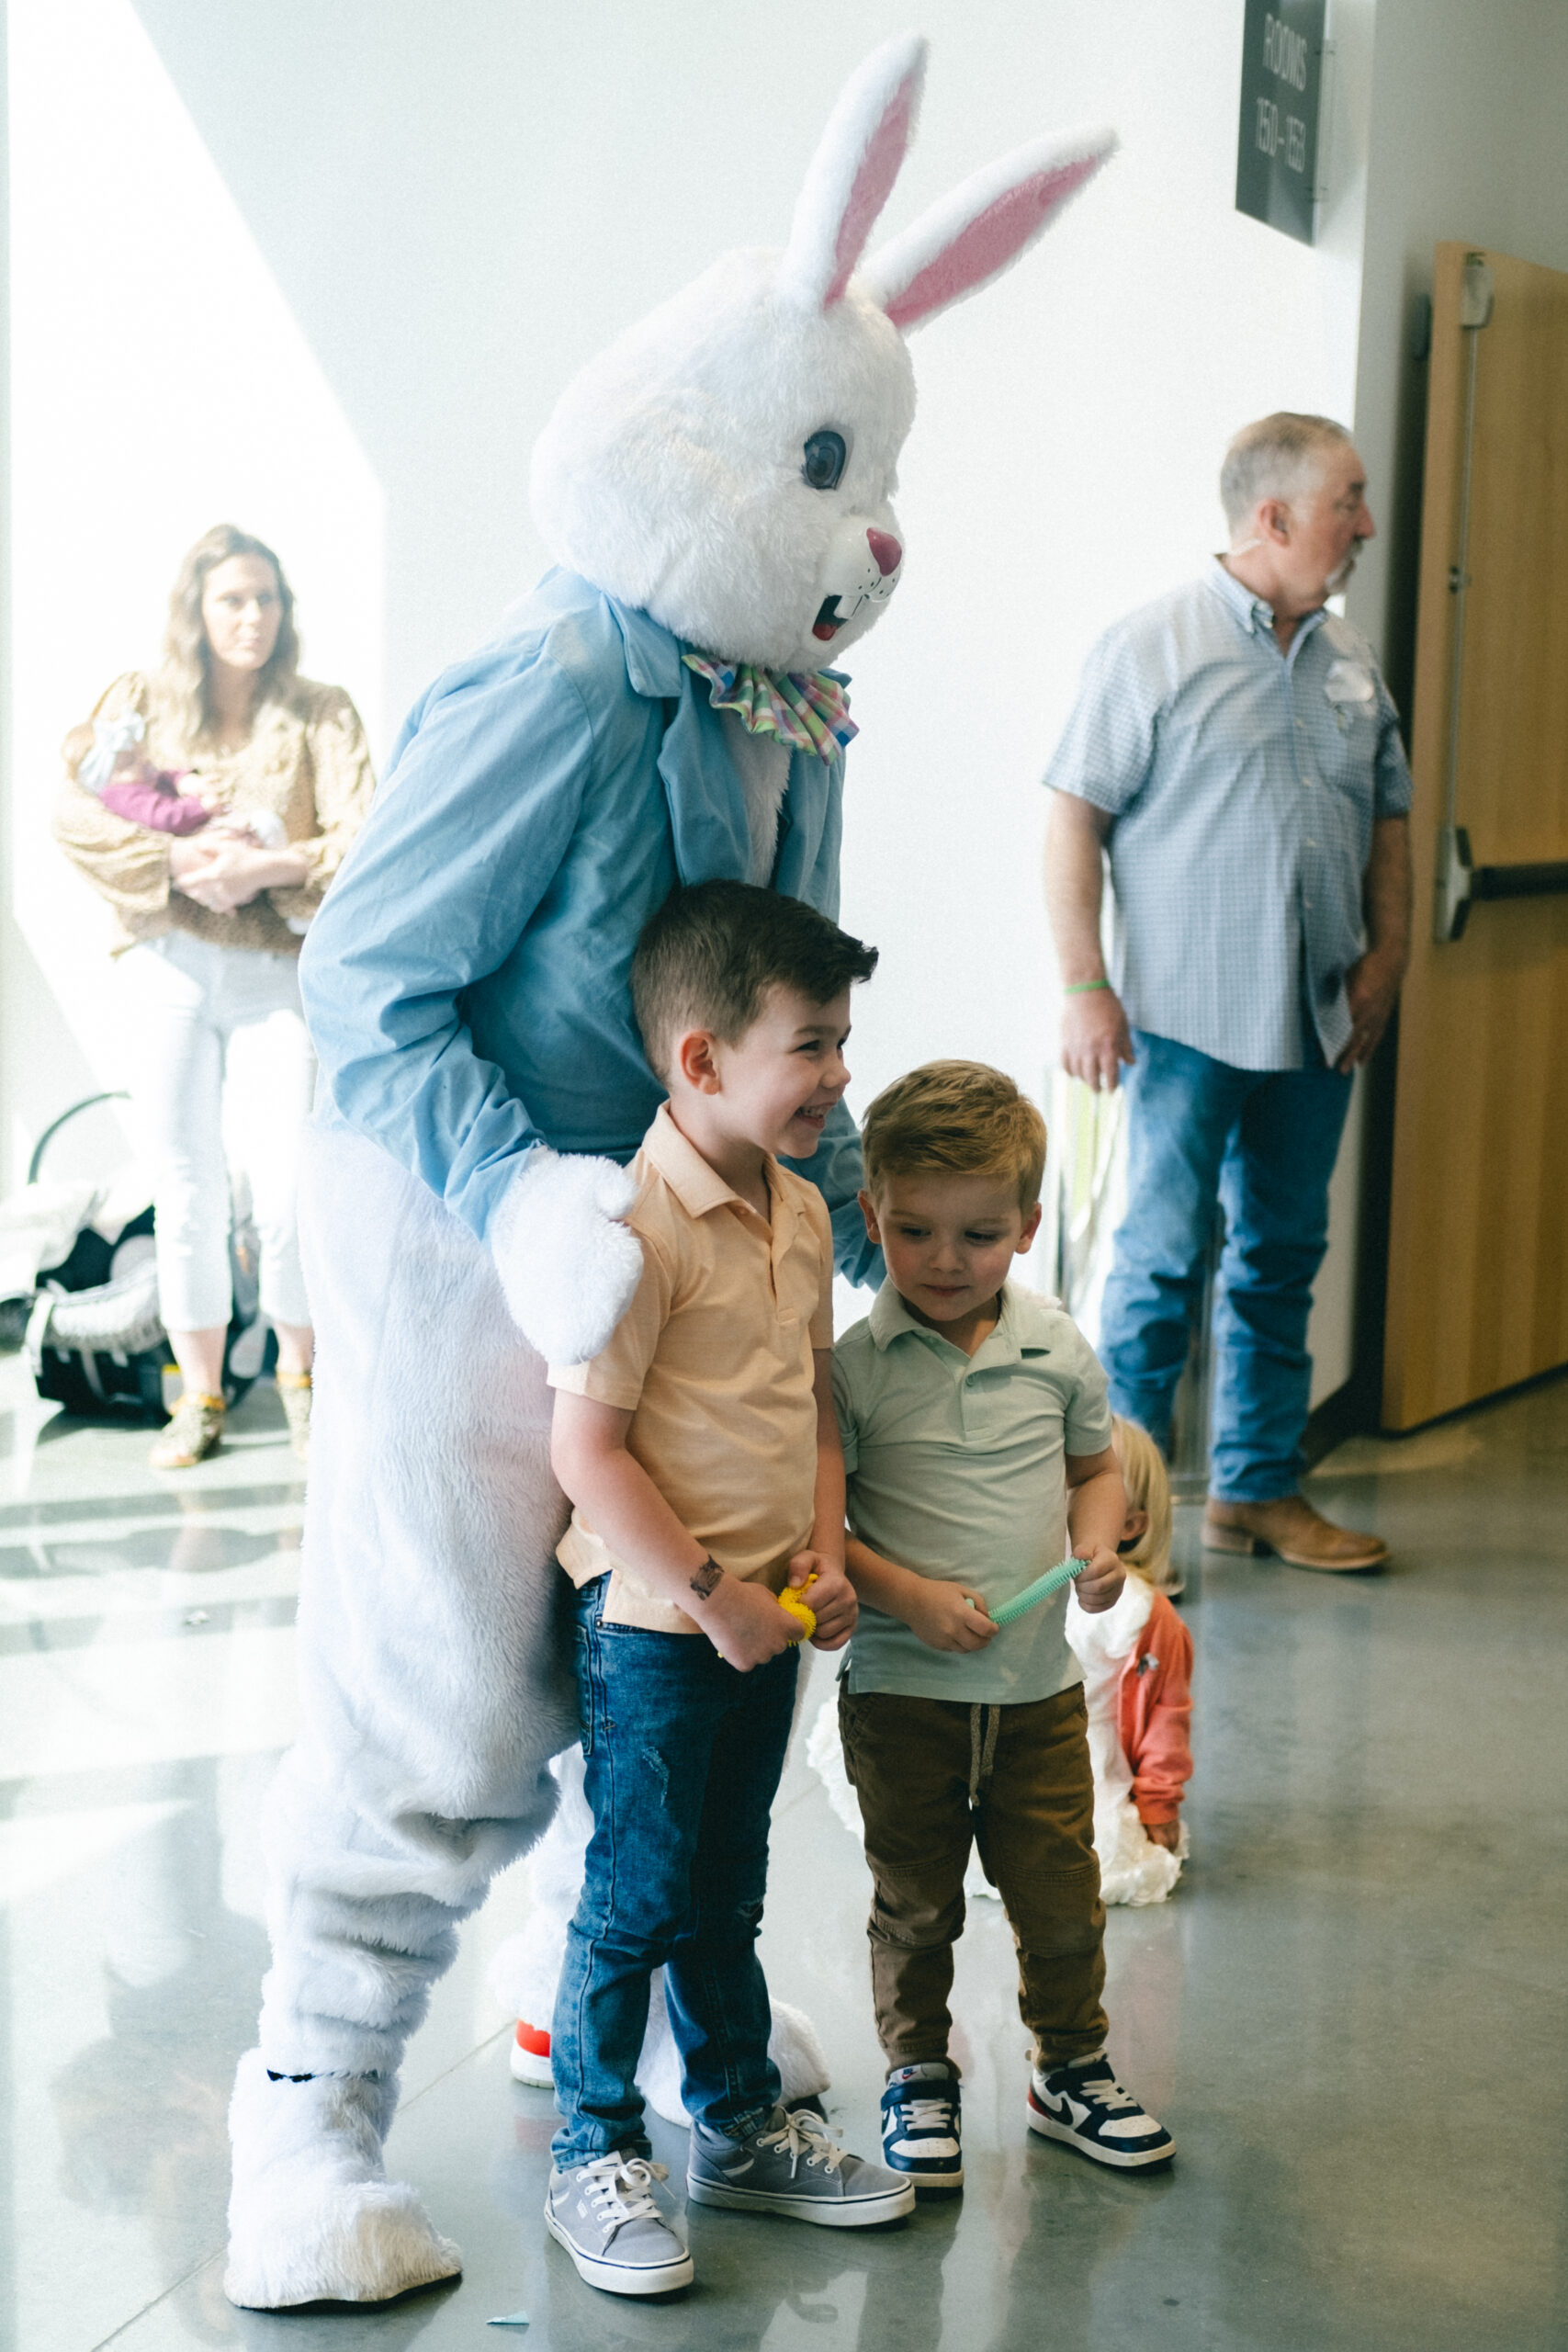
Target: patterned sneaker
<point x="1086" y="2105"/>
<point x="194" y="1430"/>
<point x="618" y="2231"/>
<point x="921" y="2127"/>
<point x="294" y="1393"/>
<point x="531" y="2056"/>
<point x="792" y="2165"/>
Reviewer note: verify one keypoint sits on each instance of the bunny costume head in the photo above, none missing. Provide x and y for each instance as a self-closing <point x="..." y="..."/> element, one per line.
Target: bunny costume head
<point x="717" y="492"/>
<point x="729" y="465"/>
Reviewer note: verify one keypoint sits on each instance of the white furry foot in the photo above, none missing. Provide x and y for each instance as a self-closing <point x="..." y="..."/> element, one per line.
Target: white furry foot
<point x="311" y="2216"/>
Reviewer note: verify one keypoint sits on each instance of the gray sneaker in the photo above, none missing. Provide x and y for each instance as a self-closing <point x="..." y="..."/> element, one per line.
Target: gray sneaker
<point x="794" y="2165"/>
<point x="619" y="2233"/>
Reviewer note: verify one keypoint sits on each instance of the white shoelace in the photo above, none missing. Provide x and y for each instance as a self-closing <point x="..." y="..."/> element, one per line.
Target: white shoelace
<point x="804" y="2134"/>
<point x="1110" y="2095"/>
<point x="620" y="2187"/>
<point x="926" y="2114"/>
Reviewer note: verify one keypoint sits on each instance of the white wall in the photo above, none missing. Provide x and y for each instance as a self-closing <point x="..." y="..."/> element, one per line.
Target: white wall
<point x="159" y="383"/>
<point x="326" y="270"/>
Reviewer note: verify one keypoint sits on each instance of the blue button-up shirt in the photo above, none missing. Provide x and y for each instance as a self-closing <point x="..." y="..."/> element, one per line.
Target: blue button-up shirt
<point x="466" y="981"/>
<point x="1243" y="784"/>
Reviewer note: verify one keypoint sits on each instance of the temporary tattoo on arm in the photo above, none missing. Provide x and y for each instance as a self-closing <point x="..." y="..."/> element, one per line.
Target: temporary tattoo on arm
<point x="705" y="1583"/>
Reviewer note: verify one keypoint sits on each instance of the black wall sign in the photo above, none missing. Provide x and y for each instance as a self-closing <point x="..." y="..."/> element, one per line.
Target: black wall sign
<point x="1282" y="81"/>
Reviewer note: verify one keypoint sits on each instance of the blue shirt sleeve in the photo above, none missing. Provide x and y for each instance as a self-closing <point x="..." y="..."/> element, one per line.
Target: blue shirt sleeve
<point x="1108" y="745"/>
<point x="836" y="1167"/>
<point x="1393" y="789"/>
<point x="463" y="840"/>
<point x="837" y="1171"/>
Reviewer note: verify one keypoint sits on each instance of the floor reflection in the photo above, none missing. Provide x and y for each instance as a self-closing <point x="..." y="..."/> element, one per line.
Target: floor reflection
<point x="1359" y="1976"/>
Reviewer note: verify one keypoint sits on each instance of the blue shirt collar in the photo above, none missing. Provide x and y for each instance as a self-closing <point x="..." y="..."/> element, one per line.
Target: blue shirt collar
<point x="653" y="656"/>
<point x="1255" y="612"/>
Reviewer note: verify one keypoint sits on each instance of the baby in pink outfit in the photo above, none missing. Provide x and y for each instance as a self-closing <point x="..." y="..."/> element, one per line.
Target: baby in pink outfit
<point x="116" y="772"/>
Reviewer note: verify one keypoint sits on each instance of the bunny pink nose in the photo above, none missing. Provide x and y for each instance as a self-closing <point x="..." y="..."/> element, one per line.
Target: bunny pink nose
<point x="886" y="551"/>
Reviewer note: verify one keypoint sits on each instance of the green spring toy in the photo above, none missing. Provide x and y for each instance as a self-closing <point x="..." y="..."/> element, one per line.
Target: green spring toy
<point x="1040" y="1589"/>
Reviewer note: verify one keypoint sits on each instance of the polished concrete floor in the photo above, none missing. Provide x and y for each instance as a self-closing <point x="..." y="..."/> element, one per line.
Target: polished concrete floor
<point x="1351" y="2014"/>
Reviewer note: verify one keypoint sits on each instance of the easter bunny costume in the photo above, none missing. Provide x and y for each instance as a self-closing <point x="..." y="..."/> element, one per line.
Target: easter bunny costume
<point x="715" y="487"/>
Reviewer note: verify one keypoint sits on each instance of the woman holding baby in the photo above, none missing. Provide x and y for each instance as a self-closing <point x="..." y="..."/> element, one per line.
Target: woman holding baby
<point x="210" y="801"/>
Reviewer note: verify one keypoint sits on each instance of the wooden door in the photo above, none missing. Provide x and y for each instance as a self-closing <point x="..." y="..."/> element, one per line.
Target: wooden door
<point x="1478" y="1239"/>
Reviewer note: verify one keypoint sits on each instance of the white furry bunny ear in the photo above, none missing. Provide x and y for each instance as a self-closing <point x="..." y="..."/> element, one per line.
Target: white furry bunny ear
<point x="972" y="235"/>
<point x="852" y="172"/>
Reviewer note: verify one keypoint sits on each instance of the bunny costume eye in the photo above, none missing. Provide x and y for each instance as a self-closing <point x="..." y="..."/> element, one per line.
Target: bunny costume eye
<point x="824" y="456"/>
<point x="671" y="471"/>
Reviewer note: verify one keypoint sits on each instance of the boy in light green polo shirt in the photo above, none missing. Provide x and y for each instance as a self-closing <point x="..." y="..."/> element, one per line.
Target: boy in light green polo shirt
<point x="976" y="1438"/>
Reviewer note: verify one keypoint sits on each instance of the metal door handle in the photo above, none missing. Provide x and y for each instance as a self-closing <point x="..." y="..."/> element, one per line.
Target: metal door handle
<point x="1459" y="882"/>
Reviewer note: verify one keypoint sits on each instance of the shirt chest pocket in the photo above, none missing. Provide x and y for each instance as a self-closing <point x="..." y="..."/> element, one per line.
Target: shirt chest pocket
<point x="1347" y="734"/>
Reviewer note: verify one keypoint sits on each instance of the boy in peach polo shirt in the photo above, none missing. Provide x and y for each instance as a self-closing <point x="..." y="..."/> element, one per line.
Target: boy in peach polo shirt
<point x="700" y="1454"/>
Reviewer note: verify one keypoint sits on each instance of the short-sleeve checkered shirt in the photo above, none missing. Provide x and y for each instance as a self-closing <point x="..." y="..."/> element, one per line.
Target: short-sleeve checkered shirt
<point x="1243" y="784"/>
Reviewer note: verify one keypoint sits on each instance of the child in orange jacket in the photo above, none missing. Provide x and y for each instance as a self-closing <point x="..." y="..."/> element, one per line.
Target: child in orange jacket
<point x="1138" y="1667"/>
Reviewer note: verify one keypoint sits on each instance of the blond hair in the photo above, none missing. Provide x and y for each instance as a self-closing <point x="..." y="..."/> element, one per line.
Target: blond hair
<point x="181" y="681"/>
<point x="1147" y="1484"/>
<point x="953" y="1118"/>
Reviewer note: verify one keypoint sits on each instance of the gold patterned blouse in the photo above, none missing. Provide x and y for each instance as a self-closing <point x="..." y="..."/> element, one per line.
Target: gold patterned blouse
<point x="306" y="763"/>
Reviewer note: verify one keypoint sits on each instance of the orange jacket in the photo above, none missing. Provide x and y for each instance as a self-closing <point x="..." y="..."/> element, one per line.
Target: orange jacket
<point x="1154" y="1714"/>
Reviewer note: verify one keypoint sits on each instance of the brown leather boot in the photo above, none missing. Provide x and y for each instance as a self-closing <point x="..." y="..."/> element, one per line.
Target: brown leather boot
<point x="1291" y="1528"/>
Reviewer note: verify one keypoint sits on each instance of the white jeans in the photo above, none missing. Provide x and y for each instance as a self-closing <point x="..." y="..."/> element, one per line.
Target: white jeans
<point x="224" y="1067"/>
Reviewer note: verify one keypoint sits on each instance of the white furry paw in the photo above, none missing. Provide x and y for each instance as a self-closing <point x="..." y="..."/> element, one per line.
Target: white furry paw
<point x="567" y="1266"/>
<point x="796" y="2051"/>
<point x="311" y="2216"/>
<point x="792" y="2045"/>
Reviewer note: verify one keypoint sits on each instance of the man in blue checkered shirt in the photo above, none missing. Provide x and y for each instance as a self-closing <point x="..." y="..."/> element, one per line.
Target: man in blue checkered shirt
<point x="1235" y="752"/>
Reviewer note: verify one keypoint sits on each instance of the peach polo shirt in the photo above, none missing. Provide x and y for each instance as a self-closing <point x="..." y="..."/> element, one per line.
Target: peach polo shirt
<point x="713" y="1359"/>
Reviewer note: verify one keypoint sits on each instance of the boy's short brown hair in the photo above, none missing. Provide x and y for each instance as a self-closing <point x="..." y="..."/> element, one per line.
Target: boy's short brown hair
<point x="955" y="1119"/>
<point x="707" y="959"/>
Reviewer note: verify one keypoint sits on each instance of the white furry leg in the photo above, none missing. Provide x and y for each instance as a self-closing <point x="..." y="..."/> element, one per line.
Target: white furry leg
<point x="312" y="2217"/>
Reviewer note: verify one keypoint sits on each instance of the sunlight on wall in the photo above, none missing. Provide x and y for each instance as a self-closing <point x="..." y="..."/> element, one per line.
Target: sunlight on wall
<point x="159" y="385"/>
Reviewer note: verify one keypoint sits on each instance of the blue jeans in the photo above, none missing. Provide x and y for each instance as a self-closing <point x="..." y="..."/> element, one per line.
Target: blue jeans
<point x="1263" y="1144"/>
<point x="683" y="1757"/>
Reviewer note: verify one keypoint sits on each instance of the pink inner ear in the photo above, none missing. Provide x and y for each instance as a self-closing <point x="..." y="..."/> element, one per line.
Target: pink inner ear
<point x="873" y="184"/>
<point x="989" y="242"/>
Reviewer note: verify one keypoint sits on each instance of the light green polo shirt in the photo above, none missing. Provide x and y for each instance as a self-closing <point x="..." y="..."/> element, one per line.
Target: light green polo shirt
<point x="955" y="1470"/>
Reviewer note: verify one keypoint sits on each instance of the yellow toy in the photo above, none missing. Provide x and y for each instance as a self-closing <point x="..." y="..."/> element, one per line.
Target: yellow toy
<point x="792" y="1599"/>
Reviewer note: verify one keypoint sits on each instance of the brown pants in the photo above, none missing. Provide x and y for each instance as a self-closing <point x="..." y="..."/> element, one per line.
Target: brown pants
<point x="933" y="1777"/>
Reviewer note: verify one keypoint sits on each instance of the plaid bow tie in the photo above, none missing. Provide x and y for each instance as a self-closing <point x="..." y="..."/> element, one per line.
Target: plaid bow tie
<point x="805" y="708"/>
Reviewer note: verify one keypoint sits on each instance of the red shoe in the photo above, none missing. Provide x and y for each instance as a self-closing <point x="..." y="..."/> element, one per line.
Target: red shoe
<point x="531" y="2056"/>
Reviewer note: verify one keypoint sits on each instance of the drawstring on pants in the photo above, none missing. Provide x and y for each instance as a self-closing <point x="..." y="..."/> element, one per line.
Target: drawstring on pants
<point x="985" y="1724"/>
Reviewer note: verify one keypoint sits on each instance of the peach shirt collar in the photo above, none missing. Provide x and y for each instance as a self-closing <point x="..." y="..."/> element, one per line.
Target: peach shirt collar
<point x="699" y="1188"/>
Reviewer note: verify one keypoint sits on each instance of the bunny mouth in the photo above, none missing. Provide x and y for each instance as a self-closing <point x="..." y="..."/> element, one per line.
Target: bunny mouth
<point x="828" y="622"/>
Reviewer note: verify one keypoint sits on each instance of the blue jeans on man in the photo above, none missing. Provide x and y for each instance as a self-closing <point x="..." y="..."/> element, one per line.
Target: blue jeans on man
<point x="676" y="1871"/>
<point x="1262" y="1143"/>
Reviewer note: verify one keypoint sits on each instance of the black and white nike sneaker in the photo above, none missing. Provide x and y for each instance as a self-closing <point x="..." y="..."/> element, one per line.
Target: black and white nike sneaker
<point x="921" y="2126"/>
<point x="1086" y="2105"/>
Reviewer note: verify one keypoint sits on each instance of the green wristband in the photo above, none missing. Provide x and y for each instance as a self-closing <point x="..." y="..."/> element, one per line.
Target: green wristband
<point x="1080" y="988"/>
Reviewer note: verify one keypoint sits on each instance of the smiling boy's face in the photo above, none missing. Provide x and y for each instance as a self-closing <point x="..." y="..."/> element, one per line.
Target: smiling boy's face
<point x="949" y="1241"/>
<point x="779" y="1082"/>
